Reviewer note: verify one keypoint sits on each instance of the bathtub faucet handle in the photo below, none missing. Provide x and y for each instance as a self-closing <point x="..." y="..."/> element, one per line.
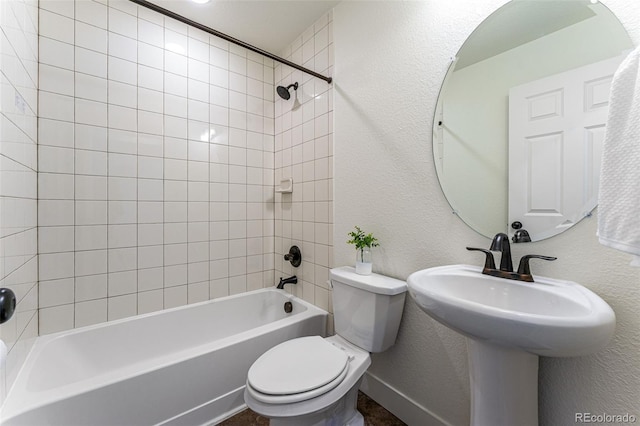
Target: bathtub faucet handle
<point x="294" y="256"/>
<point x="290" y="280"/>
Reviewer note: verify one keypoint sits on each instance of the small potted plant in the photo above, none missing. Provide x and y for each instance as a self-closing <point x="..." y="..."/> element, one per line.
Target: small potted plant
<point x="364" y="243"/>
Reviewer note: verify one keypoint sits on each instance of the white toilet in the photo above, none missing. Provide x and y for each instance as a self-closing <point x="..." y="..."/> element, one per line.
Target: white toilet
<point x="312" y="380"/>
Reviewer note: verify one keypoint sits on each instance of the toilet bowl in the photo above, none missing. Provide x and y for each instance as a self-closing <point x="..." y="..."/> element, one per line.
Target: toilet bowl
<point x="313" y="381"/>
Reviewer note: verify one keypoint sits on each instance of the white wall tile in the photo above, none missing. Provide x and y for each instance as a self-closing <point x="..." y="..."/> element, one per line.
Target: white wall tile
<point x="91" y="37"/>
<point x="56" y="80"/>
<point x="175" y="296"/>
<point x="150" y="167"/>
<point x="150" y="279"/>
<point x="91" y="12"/>
<point x="61" y="7"/>
<point x="141" y="160"/>
<point x="198" y="70"/>
<point x="150" y="301"/>
<point x="122" y="70"/>
<point x="90" y="62"/>
<point x="123" y="259"/>
<point x="56" y="53"/>
<point x="54" y="106"/>
<point x="55" y="239"/>
<point x="56" y="318"/>
<point x="150" y="234"/>
<point x="175" y="63"/>
<point x="92" y="262"/>
<point x="150" y="100"/>
<point x="122" y="118"/>
<point x="150" y="189"/>
<point x="90" y="87"/>
<point x="52" y="186"/>
<point x="175" y="41"/>
<point x="151" y="33"/>
<point x="55" y="133"/>
<point x="151" y="212"/>
<point x="56" y="292"/>
<point x="55" y="265"/>
<point x="123" y="23"/>
<point x="90" y="312"/>
<point x="55" y="212"/>
<point x="124" y="6"/>
<point x="122" y="212"/>
<point x="56" y="26"/>
<point x="198" y="50"/>
<point x="121" y="188"/>
<point x="90" y="212"/>
<point x="123" y="47"/>
<point x="150" y="78"/>
<point x="175" y="105"/>
<point x="55" y="160"/>
<point x="150" y="256"/>
<point x="90" y="112"/>
<point x="90" y="162"/>
<point x="123" y="141"/>
<point x="122" y="94"/>
<point x="122" y="306"/>
<point x="91" y="287"/>
<point x="151" y="56"/>
<point x="122" y="236"/>
<point x="175" y="84"/>
<point x="150" y="123"/>
<point x="92" y="237"/>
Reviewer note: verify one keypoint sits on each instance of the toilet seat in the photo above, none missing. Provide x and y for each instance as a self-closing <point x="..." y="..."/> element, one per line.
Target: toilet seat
<point x="297" y="370"/>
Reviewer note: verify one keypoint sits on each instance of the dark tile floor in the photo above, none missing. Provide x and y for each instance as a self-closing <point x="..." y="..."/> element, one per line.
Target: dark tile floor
<point x="374" y="415"/>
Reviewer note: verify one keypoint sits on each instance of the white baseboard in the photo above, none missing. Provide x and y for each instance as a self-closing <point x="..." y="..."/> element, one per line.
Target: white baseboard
<point x="403" y="407"/>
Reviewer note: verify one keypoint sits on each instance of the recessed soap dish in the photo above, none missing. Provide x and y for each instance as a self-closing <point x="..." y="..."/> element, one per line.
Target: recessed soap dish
<point x="286" y="186"/>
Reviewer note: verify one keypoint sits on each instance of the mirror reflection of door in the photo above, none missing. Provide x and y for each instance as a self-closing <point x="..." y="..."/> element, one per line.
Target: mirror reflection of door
<point x="556" y="131"/>
<point x="521" y="42"/>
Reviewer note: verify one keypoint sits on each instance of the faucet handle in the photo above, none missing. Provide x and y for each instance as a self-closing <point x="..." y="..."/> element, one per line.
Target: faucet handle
<point x="489" y="263"/>
<point x="523" y="267"/>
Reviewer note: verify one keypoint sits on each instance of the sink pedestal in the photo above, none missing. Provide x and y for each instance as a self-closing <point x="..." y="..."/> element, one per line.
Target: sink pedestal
<point x="504" y="385"/>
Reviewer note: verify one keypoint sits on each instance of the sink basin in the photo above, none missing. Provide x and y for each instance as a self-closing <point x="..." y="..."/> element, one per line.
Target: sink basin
<point x="547" y="317"/>
<point x="509" y="324"/>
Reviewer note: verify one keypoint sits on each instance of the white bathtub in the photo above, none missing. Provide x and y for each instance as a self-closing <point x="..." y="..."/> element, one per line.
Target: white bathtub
<point x="183" y="366"/>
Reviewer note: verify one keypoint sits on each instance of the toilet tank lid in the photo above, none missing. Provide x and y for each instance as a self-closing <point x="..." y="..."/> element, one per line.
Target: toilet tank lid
<point x="374" y="283"/>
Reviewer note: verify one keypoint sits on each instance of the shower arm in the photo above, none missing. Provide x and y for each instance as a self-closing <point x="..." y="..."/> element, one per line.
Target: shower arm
<point x="227" y="37"/>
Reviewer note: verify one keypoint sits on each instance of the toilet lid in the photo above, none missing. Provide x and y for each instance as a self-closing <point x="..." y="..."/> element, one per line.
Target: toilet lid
<point x="298" y="366"/>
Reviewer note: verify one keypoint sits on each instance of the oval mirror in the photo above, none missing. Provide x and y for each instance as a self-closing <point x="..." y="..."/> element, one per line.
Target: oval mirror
<point x="520" y="119"/>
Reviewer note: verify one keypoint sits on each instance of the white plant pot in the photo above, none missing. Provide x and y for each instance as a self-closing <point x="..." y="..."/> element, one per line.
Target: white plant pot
<point x="364" y="268"/>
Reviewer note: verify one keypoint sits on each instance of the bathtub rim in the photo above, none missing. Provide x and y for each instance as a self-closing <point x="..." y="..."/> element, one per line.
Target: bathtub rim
<point x="27" y="400"/>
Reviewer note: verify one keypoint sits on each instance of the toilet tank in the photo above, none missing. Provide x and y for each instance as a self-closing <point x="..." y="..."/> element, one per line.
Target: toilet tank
<point x="367" y="308"/>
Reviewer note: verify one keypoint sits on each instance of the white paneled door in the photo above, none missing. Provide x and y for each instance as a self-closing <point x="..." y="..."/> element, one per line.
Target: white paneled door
<point x="556" y="132"/>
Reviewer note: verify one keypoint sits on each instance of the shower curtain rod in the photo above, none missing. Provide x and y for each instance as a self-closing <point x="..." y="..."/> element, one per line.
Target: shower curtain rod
<point x="228" y="38"/>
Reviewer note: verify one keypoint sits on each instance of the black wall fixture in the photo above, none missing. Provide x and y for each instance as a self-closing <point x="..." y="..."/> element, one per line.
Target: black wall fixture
<point x="7" y="304"/>
<point x="228" y="38"/>
<point x="294" y="256"/>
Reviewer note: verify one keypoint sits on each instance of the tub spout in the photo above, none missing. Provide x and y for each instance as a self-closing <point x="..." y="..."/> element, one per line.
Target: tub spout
<point x="290" y="280"/>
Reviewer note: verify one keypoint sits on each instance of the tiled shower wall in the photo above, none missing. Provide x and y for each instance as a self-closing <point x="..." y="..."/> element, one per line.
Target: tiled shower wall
<point x="18" y="178"/>
<point x="304" y="152"/>
<point x="156" y="155"/>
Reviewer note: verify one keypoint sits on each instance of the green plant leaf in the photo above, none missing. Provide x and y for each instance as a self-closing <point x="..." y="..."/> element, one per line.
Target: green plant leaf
<point x="362" y="240"/>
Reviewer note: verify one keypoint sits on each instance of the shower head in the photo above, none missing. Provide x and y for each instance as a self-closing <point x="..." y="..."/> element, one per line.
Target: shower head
<point x="283" y="92"/>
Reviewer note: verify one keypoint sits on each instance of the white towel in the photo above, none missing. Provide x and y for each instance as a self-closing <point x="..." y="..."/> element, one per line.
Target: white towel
<point x="619" y="195"/>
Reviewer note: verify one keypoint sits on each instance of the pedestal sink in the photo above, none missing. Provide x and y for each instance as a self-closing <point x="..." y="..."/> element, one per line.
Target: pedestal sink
<point x="509" y="324"/>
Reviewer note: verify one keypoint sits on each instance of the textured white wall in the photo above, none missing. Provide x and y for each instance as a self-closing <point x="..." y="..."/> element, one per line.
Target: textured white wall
<point x="390" y="60"/>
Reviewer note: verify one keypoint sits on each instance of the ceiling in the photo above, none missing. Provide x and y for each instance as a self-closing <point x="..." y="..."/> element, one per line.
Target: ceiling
<point x="266" y="24"/>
